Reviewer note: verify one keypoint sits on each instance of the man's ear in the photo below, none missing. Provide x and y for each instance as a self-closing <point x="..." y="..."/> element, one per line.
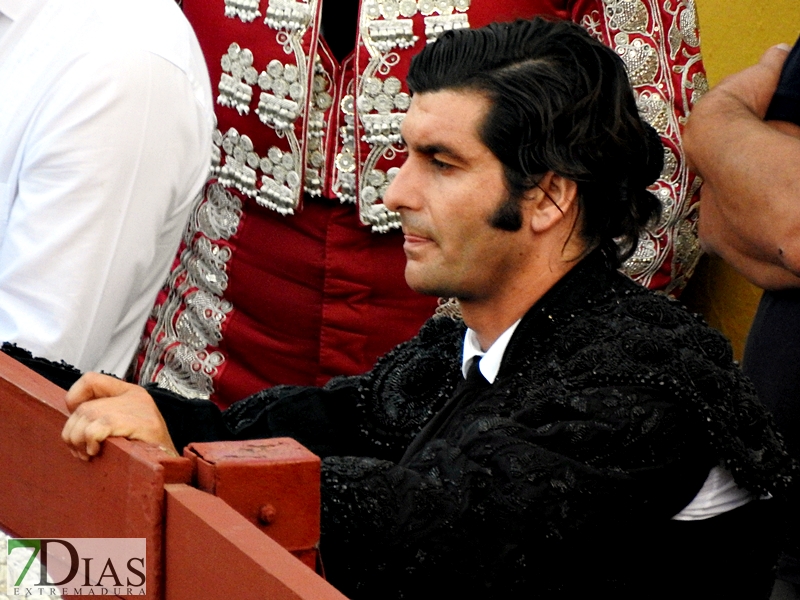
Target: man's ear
<point x="551" y="202"/>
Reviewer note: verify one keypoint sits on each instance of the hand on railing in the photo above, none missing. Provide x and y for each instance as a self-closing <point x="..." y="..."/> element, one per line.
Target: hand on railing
<point x="103" y="407"/>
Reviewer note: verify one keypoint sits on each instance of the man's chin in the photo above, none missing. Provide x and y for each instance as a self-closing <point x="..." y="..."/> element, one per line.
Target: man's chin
<point x="419" y="283"/>
<point x="427" y="285"/>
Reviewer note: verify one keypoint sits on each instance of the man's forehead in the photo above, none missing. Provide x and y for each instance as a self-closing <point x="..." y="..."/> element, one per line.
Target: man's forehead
<point x="435" y="117"/>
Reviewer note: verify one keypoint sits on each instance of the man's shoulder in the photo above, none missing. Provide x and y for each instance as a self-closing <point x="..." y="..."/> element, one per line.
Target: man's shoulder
<point x="633" y="308"/>
<point x="621" y="331"/>
<point x="113" y="50"/>
<point x="96" y="28"/>
<point x="647" y="327"/>
<point x="441" y="337"/>
<point x="426" y="361"/>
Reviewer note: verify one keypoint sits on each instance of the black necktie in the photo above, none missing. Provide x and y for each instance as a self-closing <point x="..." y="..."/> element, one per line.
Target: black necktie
<point x="474" y="376"/>
<point x="466" y="391"/>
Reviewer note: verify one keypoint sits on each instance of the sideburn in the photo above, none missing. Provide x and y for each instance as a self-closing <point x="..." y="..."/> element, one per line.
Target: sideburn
<point x="508" y="216"/>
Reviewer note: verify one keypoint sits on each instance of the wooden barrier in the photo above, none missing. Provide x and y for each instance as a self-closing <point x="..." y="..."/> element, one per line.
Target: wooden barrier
<point x="196" y="544"/>
<point x="50" y="493"/>
<point x="274" y="483"/>
<point x="214" y="552"/>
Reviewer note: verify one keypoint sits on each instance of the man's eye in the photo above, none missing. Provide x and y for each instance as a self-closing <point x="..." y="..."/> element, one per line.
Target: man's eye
<point x="439" y="164"/>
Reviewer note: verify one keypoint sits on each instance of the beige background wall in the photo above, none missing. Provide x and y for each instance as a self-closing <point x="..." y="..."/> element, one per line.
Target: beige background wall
<point x="734" y="33"/>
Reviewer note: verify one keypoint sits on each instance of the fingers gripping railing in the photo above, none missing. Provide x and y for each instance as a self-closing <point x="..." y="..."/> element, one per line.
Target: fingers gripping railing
<point x="198" y="545"/>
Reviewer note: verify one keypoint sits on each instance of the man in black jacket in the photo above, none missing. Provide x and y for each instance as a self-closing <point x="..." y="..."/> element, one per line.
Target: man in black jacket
<point x="571" y="434"/>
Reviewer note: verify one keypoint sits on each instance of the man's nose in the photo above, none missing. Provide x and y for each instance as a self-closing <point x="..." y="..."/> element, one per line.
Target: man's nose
<point x="398" y="194"/>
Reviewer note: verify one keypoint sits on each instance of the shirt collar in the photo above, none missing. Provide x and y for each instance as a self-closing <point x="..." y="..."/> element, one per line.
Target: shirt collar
<point x="490" y="360"/>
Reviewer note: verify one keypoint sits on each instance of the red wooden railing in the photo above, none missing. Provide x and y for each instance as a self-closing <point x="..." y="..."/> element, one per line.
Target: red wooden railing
<point x="212" y="543"/>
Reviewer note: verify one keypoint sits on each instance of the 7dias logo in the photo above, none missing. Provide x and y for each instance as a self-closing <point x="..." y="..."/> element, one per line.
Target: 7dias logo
<point x="77" y="566"/>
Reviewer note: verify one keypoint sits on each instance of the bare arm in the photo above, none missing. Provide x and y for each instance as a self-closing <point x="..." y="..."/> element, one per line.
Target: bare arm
<point x="750" y="210"/>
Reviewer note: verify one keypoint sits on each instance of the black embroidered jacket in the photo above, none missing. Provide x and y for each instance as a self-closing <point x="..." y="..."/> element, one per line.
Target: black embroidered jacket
<point x="611" y="405"/>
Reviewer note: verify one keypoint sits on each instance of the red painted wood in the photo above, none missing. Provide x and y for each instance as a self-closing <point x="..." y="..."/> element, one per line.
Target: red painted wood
<point x="197" y="545"/>
<point x="274" y="483"/>
<point x="214" y="553"/>
<point x="49" y="493"/>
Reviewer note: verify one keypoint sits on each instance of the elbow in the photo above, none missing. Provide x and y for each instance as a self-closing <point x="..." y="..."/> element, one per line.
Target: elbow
<point x="780" y="272"/>
<point x="705" y="239"/>
<point x="711" y="233"/>
<point x="690" y="142"/>
<point x="785" y="244"/>
<point x="788" y="256"/>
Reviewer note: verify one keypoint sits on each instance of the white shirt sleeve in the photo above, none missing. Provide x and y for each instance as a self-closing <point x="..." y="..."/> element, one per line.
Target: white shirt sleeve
<point x="113" y="158"/>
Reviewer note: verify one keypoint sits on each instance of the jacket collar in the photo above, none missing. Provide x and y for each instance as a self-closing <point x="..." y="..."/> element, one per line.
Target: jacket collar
<point x="589" y="283"/>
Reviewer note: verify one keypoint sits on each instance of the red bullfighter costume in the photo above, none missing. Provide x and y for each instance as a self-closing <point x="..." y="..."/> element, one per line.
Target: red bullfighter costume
<point x="291" y="269"/>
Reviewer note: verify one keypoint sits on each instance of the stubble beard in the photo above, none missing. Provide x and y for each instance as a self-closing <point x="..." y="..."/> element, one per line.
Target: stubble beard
<point x="506" y="217"/>
<point x="431" y="285"/>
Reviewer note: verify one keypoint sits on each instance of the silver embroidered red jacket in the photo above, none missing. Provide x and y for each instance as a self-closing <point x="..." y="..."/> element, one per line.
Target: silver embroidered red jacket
<point x="290" y="271"/>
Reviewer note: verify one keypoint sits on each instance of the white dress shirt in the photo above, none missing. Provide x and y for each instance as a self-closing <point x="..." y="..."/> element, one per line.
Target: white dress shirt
<point x="10" y="11"/>
<point x="5" y="23"/>
<point x="719" y="493"/>
<point x="105" y="133"/>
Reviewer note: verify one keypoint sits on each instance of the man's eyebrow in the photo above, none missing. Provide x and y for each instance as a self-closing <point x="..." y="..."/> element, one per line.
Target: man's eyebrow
<point x="432" y="149"/>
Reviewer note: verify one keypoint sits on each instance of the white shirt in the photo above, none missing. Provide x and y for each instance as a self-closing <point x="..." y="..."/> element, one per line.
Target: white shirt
<point x="105" y="133"/>
<point x="10" y="11"/>
<point x="719" y="493"/>
<point x="490" y="360"/>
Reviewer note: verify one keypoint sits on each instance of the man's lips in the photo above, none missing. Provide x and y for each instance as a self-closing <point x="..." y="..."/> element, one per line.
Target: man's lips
<point x="415" y="239"/>
<point x="416" y="235"/>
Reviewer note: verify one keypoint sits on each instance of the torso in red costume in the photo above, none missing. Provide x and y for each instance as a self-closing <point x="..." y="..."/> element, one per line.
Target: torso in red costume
<point x="291" y="270"/>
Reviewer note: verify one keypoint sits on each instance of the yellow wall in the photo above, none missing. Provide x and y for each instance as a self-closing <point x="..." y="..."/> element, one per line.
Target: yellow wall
<point x="733" y="35"/>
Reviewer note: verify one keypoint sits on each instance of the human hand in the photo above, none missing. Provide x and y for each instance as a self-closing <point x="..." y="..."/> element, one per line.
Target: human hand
<point x="103" y="407"/>
<point x="743" y="96"/>
<point x="755" y="86"/>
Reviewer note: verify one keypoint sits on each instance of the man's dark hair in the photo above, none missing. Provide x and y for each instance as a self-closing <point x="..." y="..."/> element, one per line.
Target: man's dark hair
<point x="561" y="102"/>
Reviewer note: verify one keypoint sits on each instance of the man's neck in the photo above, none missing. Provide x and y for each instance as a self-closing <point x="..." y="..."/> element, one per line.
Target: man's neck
<point x="489" y="319"/>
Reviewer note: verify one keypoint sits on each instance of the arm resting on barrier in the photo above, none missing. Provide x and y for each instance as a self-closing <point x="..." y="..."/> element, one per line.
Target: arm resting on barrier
<point x="469" y="508"/>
